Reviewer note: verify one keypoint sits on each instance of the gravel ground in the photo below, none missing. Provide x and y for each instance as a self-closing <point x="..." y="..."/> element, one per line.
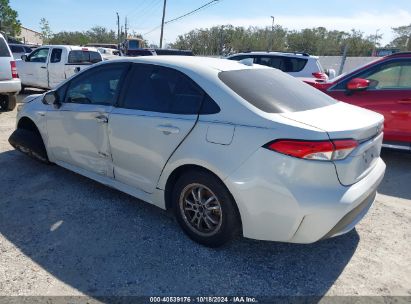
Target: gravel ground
<point x="63" y="234"/>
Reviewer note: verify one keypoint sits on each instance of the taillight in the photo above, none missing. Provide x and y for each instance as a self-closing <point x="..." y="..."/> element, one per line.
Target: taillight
<point x="320" y="75"/>
<point x="13" y="66"/>
<point x="315" y="150"/>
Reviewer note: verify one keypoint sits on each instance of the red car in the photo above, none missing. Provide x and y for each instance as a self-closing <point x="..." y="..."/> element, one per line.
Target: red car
<point x="383" y="86"/>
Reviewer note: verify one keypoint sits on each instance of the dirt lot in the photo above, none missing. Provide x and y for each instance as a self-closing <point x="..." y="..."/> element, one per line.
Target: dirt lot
<point x="63" y="234"/>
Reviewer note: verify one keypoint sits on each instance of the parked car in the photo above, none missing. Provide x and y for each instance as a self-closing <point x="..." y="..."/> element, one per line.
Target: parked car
<point x="10" y="83"/>
<point x="383" y="86"/>
<point x="19" y="50"/>
<point x="295" y="64"/>
<point x="108" y="53"/>
<point x="230" y="148"/>
<point x="159" y="52"/>
<point x="48" y="66"/>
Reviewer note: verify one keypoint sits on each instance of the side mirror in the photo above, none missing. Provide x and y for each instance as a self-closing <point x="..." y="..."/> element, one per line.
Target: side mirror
<point x="358" y="84"/>
<point x="51" y="98"/>
<point x="24" y="58"/>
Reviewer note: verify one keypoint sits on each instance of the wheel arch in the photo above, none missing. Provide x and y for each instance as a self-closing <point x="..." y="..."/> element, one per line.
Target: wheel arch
<point x="28" y="124"/>
<point x="179" y="171"/>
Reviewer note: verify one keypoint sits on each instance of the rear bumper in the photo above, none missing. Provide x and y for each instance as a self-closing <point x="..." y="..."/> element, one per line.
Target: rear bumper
<point x="281" y="198"/>
<point x="10" y="86"/>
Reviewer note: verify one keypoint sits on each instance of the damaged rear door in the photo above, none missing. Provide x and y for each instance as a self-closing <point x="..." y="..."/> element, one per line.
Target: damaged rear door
<point x="158" y="109"/>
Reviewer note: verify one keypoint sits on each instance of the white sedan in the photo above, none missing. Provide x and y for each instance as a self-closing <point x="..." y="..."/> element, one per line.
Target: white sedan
<point x="229" y="148"/>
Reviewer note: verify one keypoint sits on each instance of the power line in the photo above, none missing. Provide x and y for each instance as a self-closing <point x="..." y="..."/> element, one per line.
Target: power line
<point x="185" y="15"/>
<point x="139" y="8"/>
<point x="193" y="11"/>
<point x="147" y="14"/>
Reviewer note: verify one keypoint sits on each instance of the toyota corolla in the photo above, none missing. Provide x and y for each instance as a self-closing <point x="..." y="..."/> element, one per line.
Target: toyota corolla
<point x="231" y="149"/>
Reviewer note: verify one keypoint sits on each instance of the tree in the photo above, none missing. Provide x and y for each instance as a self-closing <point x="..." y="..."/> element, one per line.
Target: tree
<point x="97" y="34"/>
<point x="402" y="38"/>
<point x="46" y="32"/>
<point x="8" y="19"/>
<point x="227" y="39"/>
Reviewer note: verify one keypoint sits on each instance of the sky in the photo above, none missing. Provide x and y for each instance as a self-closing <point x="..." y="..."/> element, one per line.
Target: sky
<point x="367" y="16"/>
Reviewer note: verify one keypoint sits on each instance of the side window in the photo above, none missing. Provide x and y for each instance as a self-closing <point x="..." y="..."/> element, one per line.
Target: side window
<point x="83" y="57"/>
<point x="39" y="55"/>
<point x="164" y="90"/>
<point x="16" y="49"/>
<point x="4" y="50"/>
<point x="271" y="61"/>
<point x="56" y="55"/>
<point x="394" y="75"/>
<point x="97" y="86"/>
<point x="386" y="76"/>
<point x="294" y="64"/>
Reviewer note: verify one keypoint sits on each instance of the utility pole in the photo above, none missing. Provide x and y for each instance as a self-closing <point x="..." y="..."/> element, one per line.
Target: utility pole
<point x="374" y="53"/>
<point x="126" y="28"/>
<point x="343" y="59"/>
<point x="162" y="24"/>
<point x="272" y="34"/>
<point x="118" y="28"/>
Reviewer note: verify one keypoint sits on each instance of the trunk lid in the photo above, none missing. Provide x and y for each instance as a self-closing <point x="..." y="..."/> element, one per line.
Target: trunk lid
<point x="5" y="59"/>
<point x="344" y="121"/>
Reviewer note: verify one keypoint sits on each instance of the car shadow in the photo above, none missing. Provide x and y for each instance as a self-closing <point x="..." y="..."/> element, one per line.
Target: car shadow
<point x="105" y="243"/>
<point x="398" y="174"/>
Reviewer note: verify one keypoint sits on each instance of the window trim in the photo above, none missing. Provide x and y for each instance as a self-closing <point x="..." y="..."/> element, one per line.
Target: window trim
<point x="355" y="74"/>
<point x="121" y="82"/>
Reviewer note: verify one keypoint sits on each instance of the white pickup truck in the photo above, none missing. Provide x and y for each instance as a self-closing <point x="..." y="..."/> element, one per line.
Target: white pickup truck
<point x="49" y="65"/>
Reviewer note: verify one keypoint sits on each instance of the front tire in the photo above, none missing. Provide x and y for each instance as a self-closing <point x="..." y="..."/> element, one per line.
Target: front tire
<point x="30" y="143"/>
<point x="205" y="209"/>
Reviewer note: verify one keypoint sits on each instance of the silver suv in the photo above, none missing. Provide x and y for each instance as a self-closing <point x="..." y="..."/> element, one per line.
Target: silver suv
<point x="296" y="64"/>
<point x="10" y="83"/>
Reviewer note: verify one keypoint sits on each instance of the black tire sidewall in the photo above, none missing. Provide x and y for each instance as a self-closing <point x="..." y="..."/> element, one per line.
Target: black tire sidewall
<point x="230" y="225"/>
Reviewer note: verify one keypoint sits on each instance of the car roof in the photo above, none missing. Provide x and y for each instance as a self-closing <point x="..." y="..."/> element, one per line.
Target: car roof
<point x="286" y="54"/>
<point x="191" y="62"/>
<point x="73" y="47"/>
<point x="399" y="54"/>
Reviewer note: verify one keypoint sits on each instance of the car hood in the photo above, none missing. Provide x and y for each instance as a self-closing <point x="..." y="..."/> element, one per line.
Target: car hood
<point x="30" y="98"/>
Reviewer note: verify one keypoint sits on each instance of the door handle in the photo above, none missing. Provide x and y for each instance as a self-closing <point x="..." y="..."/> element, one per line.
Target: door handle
<point x="405" y="101"/>
<point x="102" y="119"/>
<point x="43" y="67"/>
<point x="167" y="130"/>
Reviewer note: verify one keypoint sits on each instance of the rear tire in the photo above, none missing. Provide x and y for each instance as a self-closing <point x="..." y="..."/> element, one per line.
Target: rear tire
<point x="8" y="102"/>
<point x="205" y="209"/>
<point x="29" y="143"/>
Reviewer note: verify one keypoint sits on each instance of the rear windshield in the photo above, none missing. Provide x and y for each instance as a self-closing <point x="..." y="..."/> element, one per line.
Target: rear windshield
<point x="4" y="50"/>
<point x="84" y="57"/>
<point x="273" y="91"/>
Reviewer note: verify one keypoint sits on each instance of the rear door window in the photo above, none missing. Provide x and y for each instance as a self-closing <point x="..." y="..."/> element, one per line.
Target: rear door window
<point x="160" y="89"/>
<point x="83" y="57"/>
<point x="56" y="55"/>
<point x="295" y="64"/>
<point x="274" y="92"/>
<point x="4" y="50"/>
